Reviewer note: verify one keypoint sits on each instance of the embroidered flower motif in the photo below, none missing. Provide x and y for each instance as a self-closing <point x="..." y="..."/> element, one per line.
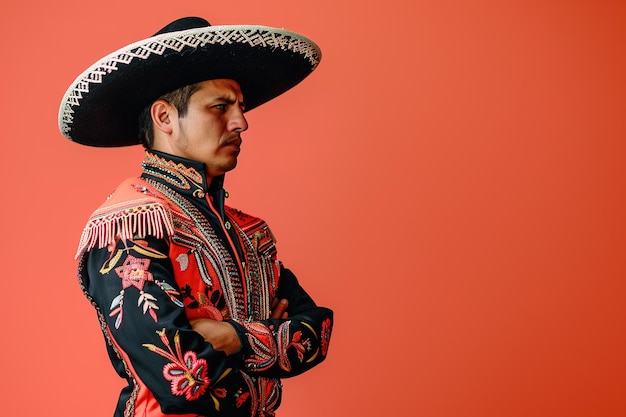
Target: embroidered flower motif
<point x="241" y="398"/>
<point x="207" y="303"/>
<point x="207" y="307"/>
<point x="134" y="273"/>
<point x="188" y="374"/>
<point x="187" y="377"/>
<point x="301" y="347"/>
<point x="220" y="392"/>
<point x="325" y="336"/>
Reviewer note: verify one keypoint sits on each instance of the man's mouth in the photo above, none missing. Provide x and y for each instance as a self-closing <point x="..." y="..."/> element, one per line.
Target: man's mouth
<point x="234" y="141"/>
<point x="234" y="144"/>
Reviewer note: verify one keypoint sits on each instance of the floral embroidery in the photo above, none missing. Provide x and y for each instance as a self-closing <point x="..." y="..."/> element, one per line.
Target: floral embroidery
<point x="263" y="346"/>
<point x="209" y="304"/>
<point x="241" y="397"/>
<point x="187" y="373"/>
<point x="306" y="351"/>
<point x="301" y="346"/>
<point x="134" y="273"/>
<point x="325" y="336"/>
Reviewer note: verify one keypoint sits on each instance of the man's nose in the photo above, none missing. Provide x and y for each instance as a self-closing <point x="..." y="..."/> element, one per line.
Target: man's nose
<point x="238" y="121"/>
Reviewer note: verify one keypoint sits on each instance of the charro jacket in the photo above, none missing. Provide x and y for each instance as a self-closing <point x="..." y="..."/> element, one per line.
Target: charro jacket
<point x="163" y="249"/>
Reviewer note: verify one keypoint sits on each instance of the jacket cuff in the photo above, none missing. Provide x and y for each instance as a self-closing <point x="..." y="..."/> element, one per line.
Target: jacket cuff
<point x="258" y="345"/>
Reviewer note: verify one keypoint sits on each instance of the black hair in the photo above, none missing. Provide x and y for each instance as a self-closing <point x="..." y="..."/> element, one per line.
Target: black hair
<point x="178" y="98"/>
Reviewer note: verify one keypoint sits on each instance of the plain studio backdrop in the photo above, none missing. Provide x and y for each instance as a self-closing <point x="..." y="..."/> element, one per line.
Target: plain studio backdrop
<point x="450" y="181"/>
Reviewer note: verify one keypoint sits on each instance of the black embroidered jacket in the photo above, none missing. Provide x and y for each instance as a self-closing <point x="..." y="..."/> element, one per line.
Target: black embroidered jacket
<point x="163" y="249"/>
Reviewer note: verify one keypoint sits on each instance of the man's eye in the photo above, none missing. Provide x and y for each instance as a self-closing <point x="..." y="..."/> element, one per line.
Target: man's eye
<point x="220" y="106"/>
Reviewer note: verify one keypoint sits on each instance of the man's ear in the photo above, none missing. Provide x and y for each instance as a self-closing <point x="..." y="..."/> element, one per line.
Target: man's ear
<point x="163" y="114"/>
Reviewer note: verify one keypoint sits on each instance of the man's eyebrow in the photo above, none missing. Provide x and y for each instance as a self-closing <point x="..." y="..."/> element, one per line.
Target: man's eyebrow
<point x="230" y="100"/>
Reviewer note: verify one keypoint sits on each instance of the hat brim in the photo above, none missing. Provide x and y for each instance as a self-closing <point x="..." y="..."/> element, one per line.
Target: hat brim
<point x="101" y="107"/>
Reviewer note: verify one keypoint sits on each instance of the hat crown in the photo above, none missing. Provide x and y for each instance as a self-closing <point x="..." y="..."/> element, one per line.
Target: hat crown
<point x="184" y="23"/>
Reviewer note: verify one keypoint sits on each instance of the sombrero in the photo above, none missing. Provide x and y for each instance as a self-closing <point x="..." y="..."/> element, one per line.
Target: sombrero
<point x="101" y="107"/>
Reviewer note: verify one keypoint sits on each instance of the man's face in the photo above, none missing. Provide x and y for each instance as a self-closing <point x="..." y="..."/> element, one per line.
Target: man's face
<point x="210" y="130"/>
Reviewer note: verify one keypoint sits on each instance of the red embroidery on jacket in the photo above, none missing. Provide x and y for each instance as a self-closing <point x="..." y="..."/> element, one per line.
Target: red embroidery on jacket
<point x="262" y="343"/>
<point x="300" y="345"/>
<point x="187" y="374"/>
<point x="325" y="336"/>
<point x="134" y="272"/>
<point x="241" y="398"/>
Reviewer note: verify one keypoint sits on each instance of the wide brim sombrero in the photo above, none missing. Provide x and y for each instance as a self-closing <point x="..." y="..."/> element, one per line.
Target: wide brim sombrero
<point x="102" y="106"/>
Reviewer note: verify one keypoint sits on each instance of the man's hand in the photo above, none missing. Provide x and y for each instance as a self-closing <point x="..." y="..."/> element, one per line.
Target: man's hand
<point x="220" y="334"/>
<point x="279" y="308"/>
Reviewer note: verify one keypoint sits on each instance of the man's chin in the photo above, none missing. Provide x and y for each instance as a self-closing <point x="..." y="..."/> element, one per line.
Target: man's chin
<point x="223" y="169"/>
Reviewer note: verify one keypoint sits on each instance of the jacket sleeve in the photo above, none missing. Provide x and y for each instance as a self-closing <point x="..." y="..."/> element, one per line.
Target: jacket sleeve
<point x="131" y="284"/>
<point x="281" y="348"/>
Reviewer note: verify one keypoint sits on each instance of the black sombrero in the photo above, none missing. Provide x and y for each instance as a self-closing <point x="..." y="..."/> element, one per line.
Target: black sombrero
<point x="102" y="105"/>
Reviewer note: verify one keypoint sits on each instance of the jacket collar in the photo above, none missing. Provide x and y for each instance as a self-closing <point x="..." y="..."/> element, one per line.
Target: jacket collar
<point x="185" y="176"/>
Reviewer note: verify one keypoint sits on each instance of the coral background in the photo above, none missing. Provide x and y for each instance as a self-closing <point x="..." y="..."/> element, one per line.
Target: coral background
<point x="450" y="181"/>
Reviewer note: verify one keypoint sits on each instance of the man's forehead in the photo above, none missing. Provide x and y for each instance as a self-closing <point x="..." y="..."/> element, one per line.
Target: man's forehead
<point x="221" y="87"/>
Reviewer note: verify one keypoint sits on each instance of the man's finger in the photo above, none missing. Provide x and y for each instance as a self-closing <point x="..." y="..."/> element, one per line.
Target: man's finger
<point x="279" y="309"/>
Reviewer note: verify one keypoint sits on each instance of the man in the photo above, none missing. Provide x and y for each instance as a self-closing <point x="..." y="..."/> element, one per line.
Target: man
<point x="198" y="314"/>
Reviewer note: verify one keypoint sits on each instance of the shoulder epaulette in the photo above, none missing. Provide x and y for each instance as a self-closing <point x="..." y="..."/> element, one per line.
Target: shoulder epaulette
<point x="129" y="212"/>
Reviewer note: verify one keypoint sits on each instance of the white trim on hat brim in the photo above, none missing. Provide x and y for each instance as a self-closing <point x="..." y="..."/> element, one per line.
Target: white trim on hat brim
<point x="254" y="35"/>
